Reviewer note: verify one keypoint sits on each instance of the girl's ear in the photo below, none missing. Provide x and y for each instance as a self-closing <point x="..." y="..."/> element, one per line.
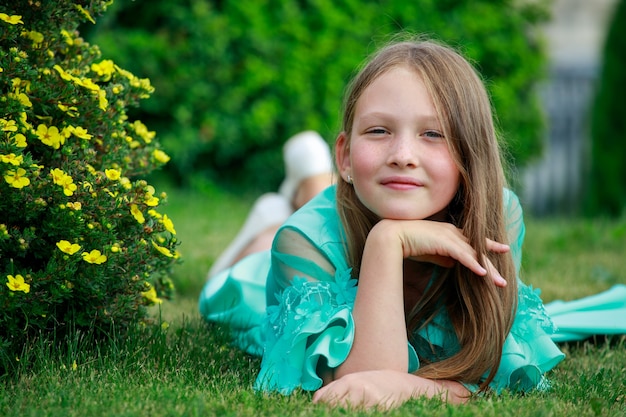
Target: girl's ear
<point x="342" y="156"/>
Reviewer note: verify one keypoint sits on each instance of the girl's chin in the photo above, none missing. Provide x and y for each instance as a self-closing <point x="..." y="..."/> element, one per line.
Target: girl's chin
<point x="411" y="215"/>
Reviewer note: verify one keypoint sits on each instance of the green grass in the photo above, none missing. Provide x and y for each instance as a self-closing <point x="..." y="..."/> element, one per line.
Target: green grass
<point x="189" y="369"/>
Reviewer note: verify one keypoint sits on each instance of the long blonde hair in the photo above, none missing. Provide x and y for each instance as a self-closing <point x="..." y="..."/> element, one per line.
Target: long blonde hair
<point x="480" y="313"/>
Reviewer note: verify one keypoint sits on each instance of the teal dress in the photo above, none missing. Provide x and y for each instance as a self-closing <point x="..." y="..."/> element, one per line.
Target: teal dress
<point x="293" y="305"/>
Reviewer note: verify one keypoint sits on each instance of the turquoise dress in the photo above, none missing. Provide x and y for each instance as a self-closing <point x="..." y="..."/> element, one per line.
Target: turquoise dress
<point x="293" y="305"/>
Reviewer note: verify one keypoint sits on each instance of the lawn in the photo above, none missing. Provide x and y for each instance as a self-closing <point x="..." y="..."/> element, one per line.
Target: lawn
<point x="187" y="367"/>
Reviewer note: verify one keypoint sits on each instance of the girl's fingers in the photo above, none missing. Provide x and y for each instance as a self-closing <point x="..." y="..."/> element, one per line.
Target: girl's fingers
<point x="444" y="244"/>
<point x="494" y="274"/>
<point x="498" y="247"/>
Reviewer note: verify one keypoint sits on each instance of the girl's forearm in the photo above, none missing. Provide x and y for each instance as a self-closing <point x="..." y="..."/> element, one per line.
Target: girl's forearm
<point x="380" y="330"/>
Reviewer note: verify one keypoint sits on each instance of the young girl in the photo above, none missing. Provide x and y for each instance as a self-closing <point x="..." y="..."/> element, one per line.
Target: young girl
<point x="402" y="280"/>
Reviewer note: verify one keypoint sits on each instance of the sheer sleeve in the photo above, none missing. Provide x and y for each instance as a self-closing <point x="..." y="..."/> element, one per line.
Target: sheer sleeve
<point x="309" y="325"/>
<point x="515" y="228"/>
<point x="295" y="255"/>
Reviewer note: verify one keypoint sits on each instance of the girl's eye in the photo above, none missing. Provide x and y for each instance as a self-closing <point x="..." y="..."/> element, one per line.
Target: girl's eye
<point x="433" y="134"/>
<point x="377" y="131"/>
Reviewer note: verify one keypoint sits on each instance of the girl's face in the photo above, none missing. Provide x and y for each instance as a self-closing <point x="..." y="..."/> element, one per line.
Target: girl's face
<point x="398" y="159"/>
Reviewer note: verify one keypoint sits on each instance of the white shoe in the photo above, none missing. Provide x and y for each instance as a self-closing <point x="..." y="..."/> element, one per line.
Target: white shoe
<point x="269" y="210"/>
<point x="305" y="154"/>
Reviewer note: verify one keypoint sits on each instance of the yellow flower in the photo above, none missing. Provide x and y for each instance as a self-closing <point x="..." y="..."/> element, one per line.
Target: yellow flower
<point x="67" y="37"/>
<point x="103" y="103"/>
<point x="17" y="82"/>
<point x="8" y="125"/>
<point x="75" y="206"/>
<point x="151" y="200"/>
<point x="58" y="176"/>
<point x="104" y="69"/>
<point x="113" y="174"/>
<point x="155" y="214"/>
<point x="94" y="257"/>
<point x="169" y="225"/>
<point x="20" y="140"/>
<point x="69" y="188"/>
<point x="160" y="156"/>
<point x="61" y="178"/>
<point x="164" y="251"/>
<point x="12" y="20"/>
<point x="24" y="120"/>
<point x="82" y="133"/>
<point x="33" y="35"/>
<point x="151" y="295"/>
<point x="137" y="214"/>
<point x="17" y="179"/>
<point x="64" y="75"/>
<point x="17" y="283"/>
<point x="143" y="131"/>
<point x="71" y="111"/>
<point x="50" y="136"/>
<point x="126" y="183"/>
<point x="22" y="98"/>
<point x="87" y="83"/>
<point x="67" y="130"/>
<point x="12" y="159"/>
<point x="67" y="247"/>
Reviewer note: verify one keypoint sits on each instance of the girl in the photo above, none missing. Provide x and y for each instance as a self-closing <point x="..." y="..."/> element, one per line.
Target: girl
<point x="402" y="280"/>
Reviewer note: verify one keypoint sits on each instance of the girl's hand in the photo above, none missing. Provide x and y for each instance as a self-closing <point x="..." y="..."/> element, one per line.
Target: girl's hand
<point x="386" y="389"/>
<point x="444" y="244"/>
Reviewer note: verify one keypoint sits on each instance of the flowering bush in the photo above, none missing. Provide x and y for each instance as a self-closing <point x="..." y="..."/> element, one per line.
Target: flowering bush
<point x="82" y="241"/>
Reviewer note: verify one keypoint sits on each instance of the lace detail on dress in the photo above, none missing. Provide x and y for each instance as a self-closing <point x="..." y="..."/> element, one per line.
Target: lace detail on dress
<point x="530" y="309"/>
<point x="304" y="299"/>
<point x="312" y="320"/>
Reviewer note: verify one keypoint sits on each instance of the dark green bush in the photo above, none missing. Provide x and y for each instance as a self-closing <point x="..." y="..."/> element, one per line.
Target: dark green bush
<point x="234" y="79"/>
<point x="606" y="190"/>
<point x="82" y="245"/>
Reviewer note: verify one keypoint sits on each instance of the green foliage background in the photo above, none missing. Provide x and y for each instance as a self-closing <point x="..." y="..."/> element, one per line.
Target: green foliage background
<point x="235" y="79"/>
<point x="606" y="190"/>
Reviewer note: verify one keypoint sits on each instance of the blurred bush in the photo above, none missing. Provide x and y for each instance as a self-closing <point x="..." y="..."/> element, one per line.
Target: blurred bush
<point x="235" y="79"/>
<point x="606" y="190"/>
<point x="84" y="245"/>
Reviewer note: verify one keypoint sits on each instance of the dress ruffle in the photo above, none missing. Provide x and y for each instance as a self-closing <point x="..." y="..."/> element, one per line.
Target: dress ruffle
<point x="313" y="320"/>
<point x="528" y="350"/>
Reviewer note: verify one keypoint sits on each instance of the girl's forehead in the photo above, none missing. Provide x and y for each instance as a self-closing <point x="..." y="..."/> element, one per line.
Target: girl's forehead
<point x="394" y="85"/>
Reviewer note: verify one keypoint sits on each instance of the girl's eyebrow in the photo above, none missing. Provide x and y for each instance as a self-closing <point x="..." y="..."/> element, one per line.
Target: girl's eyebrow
<point x="426" y="119"/>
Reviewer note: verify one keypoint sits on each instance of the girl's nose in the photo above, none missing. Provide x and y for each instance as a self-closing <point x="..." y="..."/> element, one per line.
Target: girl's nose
<point x="403" y="151"/>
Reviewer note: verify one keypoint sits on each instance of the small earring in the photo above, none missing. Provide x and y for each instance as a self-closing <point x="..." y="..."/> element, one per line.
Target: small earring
<point x="350" y="179"/>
